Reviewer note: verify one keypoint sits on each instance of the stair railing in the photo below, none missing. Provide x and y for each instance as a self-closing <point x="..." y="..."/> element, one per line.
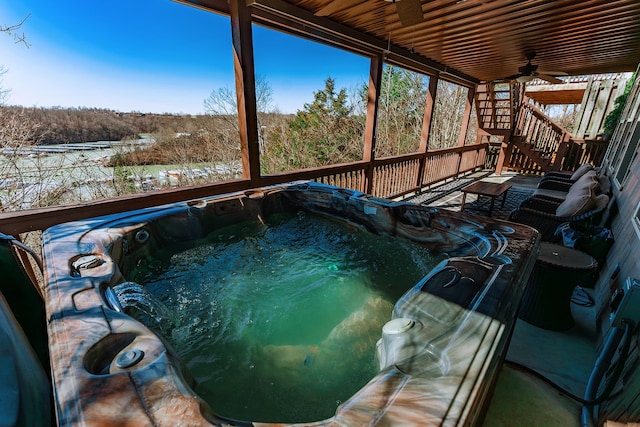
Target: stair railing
<point x="542" y="144"/>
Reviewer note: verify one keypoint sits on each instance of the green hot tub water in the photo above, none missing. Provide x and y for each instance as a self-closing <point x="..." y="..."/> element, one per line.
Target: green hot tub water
<point x="277" y="322"/>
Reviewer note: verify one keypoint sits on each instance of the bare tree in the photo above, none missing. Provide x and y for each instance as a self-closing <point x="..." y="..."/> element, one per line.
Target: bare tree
<point x="12" y="30"/>
<point x="4" y="93"/>
<point x="401" y="109"/>
<point x="24" y="182"/>
<point x="448" y="115"/>
<point x="222" y="101"/>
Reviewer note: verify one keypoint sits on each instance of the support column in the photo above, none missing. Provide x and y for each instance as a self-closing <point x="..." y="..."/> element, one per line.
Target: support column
<point x="429" y="107"/>
<point x="471" y="92"/>
<point x="516" y="122"/>
<point x="506" y="148"/>
<point x="373" y="94"/>
<point x="242" y="37"/>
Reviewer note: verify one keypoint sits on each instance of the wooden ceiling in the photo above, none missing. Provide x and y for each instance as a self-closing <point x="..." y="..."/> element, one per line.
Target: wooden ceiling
<point x="482" y="40"/>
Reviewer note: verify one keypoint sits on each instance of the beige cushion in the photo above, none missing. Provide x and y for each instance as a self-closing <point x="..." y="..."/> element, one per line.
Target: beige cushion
<point x="581" y="171"/>
<point x="575" y="204"/>
<point x="587" y="183"/>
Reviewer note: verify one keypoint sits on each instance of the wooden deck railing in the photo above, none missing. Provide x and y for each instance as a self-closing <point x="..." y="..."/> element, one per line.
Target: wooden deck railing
<point x="583" y="151"/>
<point x="540" y="137"/>
<point x="391" y="177"/>
<point x="540" y="144"/>
<point x="492" y="155"/>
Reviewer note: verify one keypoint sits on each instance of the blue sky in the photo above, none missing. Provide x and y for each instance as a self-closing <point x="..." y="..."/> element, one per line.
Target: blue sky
<point x="151" y="56"/>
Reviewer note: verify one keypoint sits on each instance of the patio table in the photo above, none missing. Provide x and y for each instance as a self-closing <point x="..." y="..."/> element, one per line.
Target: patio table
<point x="491" y="190"/>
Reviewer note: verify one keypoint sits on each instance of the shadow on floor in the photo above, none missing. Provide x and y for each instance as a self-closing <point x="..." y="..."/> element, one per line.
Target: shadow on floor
<point x="566" y="358"/>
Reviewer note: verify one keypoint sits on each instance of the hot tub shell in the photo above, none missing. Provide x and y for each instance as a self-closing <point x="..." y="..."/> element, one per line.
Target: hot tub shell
<point x="109" y="369"/>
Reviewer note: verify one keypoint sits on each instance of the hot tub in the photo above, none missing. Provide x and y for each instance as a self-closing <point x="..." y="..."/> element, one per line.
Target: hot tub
<point x="436" y="355"/>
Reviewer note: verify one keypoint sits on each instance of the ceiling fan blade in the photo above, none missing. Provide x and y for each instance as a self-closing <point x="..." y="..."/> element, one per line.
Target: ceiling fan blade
<point x="512" y="77"/>
<point x="549" y="78"/>
<point x="335" y="6"/>
<point x="409" y="11"/>
<point x="553" y="73"/>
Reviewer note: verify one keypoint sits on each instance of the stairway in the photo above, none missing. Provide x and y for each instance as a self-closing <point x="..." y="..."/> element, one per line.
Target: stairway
<point x="494" y="107"/>
<point x="533" y="140"/>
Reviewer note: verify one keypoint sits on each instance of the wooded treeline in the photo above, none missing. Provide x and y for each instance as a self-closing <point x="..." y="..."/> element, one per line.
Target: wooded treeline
<point x="328" y="130"/>
<point x="70" y="125"/>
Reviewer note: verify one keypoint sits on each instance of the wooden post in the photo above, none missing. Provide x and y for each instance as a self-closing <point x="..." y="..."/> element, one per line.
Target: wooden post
<point x="369" y="154"/>
<point x="427" y="119"/>
<point x="492" y="100"/>
<point x="242" y="37"/>
<point x="508" y="138"/>
<point x="466" y="116"/>
<point x="561" y="154"/>
<point x="505" y="153"/>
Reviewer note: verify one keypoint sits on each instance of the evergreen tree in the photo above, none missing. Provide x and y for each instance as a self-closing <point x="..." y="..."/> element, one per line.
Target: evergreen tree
<point x="400" y="111"/>
<point x="324" y="132"/>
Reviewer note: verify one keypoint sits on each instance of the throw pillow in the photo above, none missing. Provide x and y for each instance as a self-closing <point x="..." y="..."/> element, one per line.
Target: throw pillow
<point x="575" y="204"/>
<point x="581" y="171"/>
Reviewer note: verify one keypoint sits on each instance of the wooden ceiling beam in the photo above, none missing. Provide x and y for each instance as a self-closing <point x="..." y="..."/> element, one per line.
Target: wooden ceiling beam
<point x="473" y="39"/>
<point x="216" y="6"/>
<point x="474" y="21"/>
<point x="472" y="56"/>
<point x="569" y="93"/>
<point x="439" y="16"/>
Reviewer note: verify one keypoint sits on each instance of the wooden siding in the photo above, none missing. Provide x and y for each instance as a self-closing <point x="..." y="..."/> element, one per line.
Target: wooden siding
<point x="625" y="255"/>
<point x="598" y="101"/>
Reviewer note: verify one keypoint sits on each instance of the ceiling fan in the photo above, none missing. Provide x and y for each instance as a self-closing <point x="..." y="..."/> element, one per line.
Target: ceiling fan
<point x="530" y="71"/>
<point x="409" y="11"/>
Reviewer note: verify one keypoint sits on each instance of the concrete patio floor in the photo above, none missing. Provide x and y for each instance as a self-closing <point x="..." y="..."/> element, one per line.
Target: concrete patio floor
<point x="565" y="358"/>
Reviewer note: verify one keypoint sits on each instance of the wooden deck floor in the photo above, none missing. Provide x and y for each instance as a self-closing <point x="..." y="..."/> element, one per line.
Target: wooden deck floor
<point x="448" y="195"/>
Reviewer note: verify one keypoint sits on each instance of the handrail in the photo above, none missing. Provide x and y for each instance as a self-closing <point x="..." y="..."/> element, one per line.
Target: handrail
<point x="543" y="141"/>
<point x="540" y="115"/>
<point x="541" y="144"/>
<point x="314" y="173"/>
<point x="392" y="177"/>
<point x="14" y="223"/>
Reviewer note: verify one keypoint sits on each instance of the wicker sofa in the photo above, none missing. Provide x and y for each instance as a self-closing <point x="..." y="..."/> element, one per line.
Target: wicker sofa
<point x="552" y="187"/>
<point x="542" y="214"/>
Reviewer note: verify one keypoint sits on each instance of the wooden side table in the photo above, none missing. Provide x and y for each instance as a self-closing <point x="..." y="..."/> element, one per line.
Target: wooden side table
<point x="486" y="189"/>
